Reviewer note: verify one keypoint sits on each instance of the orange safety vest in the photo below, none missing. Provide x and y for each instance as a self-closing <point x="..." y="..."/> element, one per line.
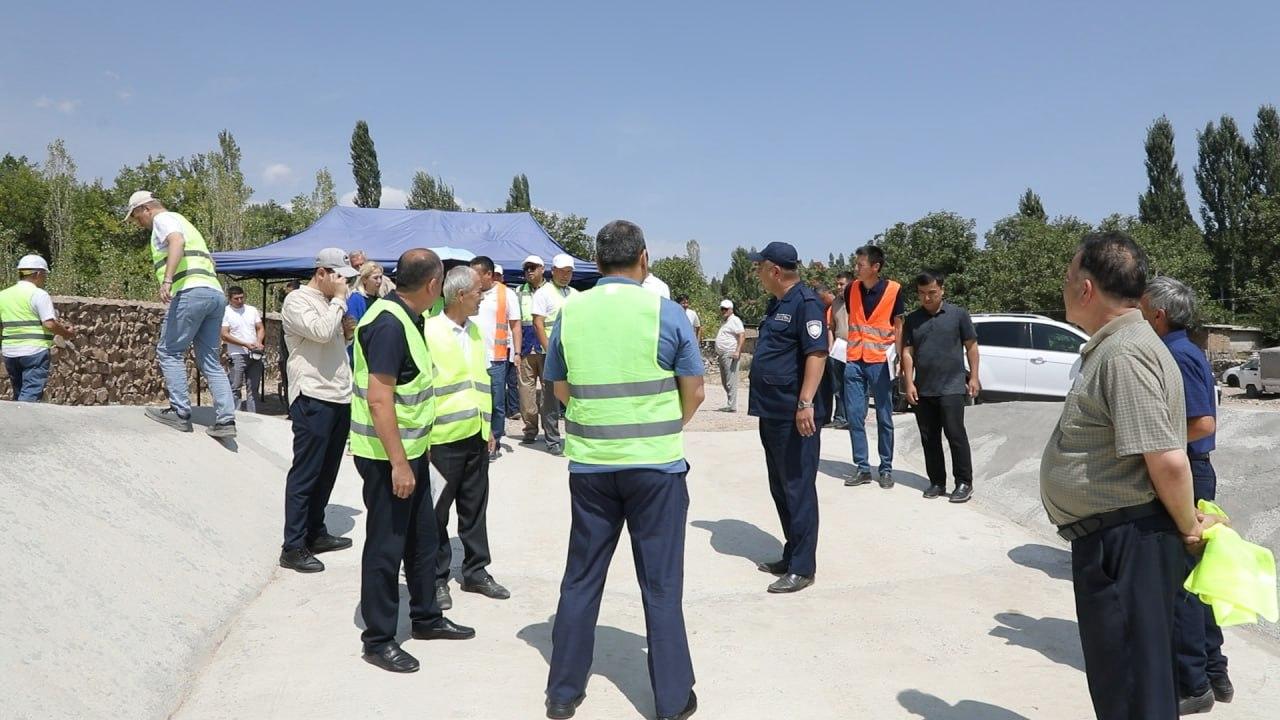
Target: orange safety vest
<point x="870" y="338"/>
<point x="501" y="328"/>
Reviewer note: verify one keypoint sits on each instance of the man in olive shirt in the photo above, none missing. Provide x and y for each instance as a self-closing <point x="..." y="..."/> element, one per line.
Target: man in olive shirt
<point x="1116" y="481"/>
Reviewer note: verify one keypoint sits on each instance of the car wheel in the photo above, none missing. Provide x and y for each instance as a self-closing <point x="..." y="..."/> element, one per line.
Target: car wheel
<point x="1233" y="381"/>
<point x="1251" y="391"/>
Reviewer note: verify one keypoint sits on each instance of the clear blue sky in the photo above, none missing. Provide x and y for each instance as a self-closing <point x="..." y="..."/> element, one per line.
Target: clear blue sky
<point x="735" y="123"/>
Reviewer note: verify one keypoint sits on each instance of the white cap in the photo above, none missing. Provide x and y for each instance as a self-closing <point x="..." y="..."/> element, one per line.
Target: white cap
<point x="137" y="200"/>
<point x="497" y="269"/>
<point x="337" y="260"/>
<point x="532" y="260"/>
<point x="563" y="260"/>
<point x="726" y="304"/>
<point x="33" y="262"/>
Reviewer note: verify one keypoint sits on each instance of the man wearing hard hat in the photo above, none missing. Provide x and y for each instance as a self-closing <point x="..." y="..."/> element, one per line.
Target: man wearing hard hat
<point x="30" y="322"/>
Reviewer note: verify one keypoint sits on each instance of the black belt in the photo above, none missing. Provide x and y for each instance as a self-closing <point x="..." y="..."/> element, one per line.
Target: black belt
<point x="1197" y="456"/>
<point x="1111" y="518"/>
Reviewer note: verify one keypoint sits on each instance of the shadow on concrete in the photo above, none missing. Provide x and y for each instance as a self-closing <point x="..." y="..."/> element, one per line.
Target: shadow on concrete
<point x="932" y="707"/>
<point x="203" y="417"/>
<point x="1054" y="638"/>
<point x="740" y="538"/>
<point x="403" y="625"/>
<point x="1052" y="561"/>
<point x="841" y="470"/>
<point x="836" y="469"/>
<point x="340" y="519"/>
<point x="620" y="657"/>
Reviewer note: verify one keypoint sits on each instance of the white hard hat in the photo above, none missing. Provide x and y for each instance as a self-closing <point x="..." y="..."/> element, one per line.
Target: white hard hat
<point x="532" y="260"/>
<point x="563" y="260"/>
<point x="137" y="200"/>
<point x="33" y="262"/>
<point x="497" y="269"/>
<point x="726" y="304"/>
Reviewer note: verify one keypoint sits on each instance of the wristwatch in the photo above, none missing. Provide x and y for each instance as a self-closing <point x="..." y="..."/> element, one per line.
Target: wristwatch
<point x="804" y="405"/>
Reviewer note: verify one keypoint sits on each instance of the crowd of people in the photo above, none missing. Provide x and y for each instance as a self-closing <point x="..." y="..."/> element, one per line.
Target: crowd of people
<point x="418" y="373"/>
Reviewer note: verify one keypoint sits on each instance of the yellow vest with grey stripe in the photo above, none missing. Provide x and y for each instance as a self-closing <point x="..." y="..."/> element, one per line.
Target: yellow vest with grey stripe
<point x="195" y="269"/>
<point x="461" y="385"/>
<point x="414" y="402"/>
<point x="624" y="408"/>
<point x="22" y="326"/>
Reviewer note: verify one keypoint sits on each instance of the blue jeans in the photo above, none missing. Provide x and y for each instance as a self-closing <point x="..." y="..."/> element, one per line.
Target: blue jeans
<point x="28" y="375"/>
<point x="195" y="317"/>
<point x="861" y="381"/>
<point x="498" y="392"/>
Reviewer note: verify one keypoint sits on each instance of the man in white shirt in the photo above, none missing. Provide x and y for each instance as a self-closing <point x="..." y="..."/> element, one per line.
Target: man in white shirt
<point x="30" y="322"/>
<point x="317" y="330"/>
<point x="244" y="335"/>
<point x="546" y="310"/>
<point x="694" y="320"/>
<point x="502" y="337"/>
<point x="729" y="342"/>
<point x="653" y="284"/>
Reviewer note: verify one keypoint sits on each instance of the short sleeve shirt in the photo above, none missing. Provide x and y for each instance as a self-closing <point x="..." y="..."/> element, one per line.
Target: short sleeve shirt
<point x="727" y="337"/>
<point x="385" y="347"/>
<point x="544" y="303"/>
<point x="1198" y="384"/>
<point x="42" y="305"/>
<point x="162" y="226"/>
<point x="937" y="347"/>
<point x="486" y="318"/>
<point x="1126" y="401"/>
<point x="793" y="328"/>
<point x="243" y="326"/>
<point x="694" y="320"/>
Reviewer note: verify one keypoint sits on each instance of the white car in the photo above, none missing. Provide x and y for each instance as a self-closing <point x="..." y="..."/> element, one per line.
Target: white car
<point x="1231" y="376"/>
<point x="1026" y="356"/>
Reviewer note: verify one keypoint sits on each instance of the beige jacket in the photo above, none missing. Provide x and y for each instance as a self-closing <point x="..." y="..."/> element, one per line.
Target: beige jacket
<point x="318" y="365"/>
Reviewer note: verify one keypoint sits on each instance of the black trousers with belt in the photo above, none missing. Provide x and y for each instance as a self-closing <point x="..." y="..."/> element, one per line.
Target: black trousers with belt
<point x="1126" y="580"/>
<point x="397" y="530"/>
<point x="936" y="416"/>
<point x="319" y="437"/>
<point x="654" y="505"/>
<point x="792" y="462"/>
<point x="464" y="466"/>
<point x="1199" y="639"/>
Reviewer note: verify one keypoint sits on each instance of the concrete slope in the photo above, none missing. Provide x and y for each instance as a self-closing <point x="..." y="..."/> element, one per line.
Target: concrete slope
<point x="127" y="548"/>
<point x="922" y="609"/>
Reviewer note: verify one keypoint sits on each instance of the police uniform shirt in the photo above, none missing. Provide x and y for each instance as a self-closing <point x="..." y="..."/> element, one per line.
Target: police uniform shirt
<point x="793" y="328"/>
<point x="677" y="352"/>
<point x="386" y="350"/>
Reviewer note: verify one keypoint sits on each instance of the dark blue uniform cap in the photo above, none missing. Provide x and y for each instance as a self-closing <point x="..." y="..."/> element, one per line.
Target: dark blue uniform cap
<point x="778" y="253"/>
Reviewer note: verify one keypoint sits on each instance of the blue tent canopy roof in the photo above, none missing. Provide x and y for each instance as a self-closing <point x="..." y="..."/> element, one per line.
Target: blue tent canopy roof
<point x="385" y="234"/>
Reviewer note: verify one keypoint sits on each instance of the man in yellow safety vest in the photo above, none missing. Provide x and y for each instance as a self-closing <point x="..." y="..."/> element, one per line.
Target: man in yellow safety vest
<point x="30" y="322"/>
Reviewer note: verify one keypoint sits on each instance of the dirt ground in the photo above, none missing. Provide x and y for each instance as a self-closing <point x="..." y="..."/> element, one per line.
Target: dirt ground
<point x="1234" y="397"/>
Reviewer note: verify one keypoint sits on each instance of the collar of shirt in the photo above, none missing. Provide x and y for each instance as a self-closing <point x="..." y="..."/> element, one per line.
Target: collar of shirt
<point x="1115" y="325"/>
<point x="941" y="309"/>
<point x="458" y="329"/>
<point x="617" y="280"/>
<point x="394" y="297"/>
<point x="1174" y="336"/>
<point x="880" y="284"/>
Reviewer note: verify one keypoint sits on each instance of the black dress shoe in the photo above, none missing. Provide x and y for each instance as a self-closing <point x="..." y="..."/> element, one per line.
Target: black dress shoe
<point x="777" y="567"/>
<point x="1223" y="691"/>
<point x="487" y="587"/>
<point x="962" y="493"/>
<point x="688" y="710"/>
<point x="443" y="599"/>
<point x="328" y="543"/>
<point x="442" y="629"/>
<point x="790" y="583"/>
<point x="886" y="479"/>
<point x="493" y="456"/>
<point x="392" y="659"/>
<point x="526" y="440"/>
<point x="1196" y="704"/>
<point x="861" y="478"/>
<point x="564" y="710"/>
<point x="300" y="559"/>
<point x="933" y="491"/>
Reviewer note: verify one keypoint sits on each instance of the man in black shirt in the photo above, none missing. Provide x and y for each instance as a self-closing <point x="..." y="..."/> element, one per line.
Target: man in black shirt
<point x="936" y="339"/>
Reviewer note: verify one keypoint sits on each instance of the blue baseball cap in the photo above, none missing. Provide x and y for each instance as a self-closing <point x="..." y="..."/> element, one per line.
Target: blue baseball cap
<point x="779" y="253"/>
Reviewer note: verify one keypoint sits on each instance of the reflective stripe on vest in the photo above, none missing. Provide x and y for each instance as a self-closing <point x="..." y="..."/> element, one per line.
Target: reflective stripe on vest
<point x="195" y="268"/>
<point x="22" y="326"/>
<point x="414" y="401"/>
<point x="461" y="383"/>
<point x="624" y="408"/>
<point x="871" y="338"/>
<point x="501" y="330"/>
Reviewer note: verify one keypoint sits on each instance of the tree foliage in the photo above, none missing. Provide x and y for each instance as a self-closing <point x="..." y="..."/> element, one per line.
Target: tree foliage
<point x="941" y="241"/>
<point x="570" y="231"/>
<point x="1164" y="204"/>
<point x="60" y="180"/>
<point x="1029" y="206"/>
<point x="741" y="285"/>
<point x="1224" y="175"/>
<point x="518" y="199"/>
<point x="430" y="193"/>
<point x="1266" y="152"/>
<point x="364" y="167"/>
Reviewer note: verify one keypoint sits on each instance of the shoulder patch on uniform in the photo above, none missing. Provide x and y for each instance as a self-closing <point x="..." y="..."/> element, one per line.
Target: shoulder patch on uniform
<point x="814" y="328"/>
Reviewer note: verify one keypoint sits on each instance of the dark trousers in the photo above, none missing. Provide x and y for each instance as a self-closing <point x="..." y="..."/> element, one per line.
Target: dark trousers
<point x="397" y="530"/>
<point x="1126" y="579"/>
<point x="792" y="461"/>
<point x="319" y="436"/>
<point x="835" y="375"/>
<point x="654" y="506"/>
<point x="28" y="375"/>
<point x="1199" y="639"/>
<point x="936" y="416"/>
<point x="513" y="391"/>
<point x="464" y="466"/>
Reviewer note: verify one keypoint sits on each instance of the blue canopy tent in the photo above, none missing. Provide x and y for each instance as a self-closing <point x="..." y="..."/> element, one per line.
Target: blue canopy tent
<point x="385" y="234"/>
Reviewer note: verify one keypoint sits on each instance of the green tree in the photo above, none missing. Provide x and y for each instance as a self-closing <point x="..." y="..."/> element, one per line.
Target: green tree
<point x="227" y="194"/>
<point x="323" y="197"/>
<point x="1029" y="206"/>
<point x="1023" y="264"/>
<point x="518" y="199"/>
<point x="1266" y="152"/>
<point x="59" y="211"/>
<point x="1164" y="204"/>
<point x="430" y="193"/>
<point x="570" y="231"/>
<point x="941" y="241"/>
<point x="1178" y="252"/>
<point x="682" y="276"/>
<point x="23" y="195"/>
<point x="741" y="285"/>
<point x="364" y="166"/>
<point x="1224" y="175"/>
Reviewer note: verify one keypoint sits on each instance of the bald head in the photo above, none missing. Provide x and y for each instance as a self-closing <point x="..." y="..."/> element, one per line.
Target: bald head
<point x="416" y="268"/>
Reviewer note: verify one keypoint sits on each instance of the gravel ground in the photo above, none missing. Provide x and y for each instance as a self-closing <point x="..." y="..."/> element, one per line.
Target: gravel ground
<point x="1235" y="397"/>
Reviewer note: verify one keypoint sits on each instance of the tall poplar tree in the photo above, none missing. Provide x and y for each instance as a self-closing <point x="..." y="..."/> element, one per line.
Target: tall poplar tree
<point x="1164" y="204"/>
<point x="364" y="166"/>
<point x="518" y="197"/>
<point x="1224" y="175"/>
<point x="1266" y="152"/>
<point x="1029" y="206"/>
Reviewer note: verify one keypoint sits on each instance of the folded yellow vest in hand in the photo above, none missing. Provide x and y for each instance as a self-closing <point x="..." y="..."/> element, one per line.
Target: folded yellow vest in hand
<point x="1234" y="576"/>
